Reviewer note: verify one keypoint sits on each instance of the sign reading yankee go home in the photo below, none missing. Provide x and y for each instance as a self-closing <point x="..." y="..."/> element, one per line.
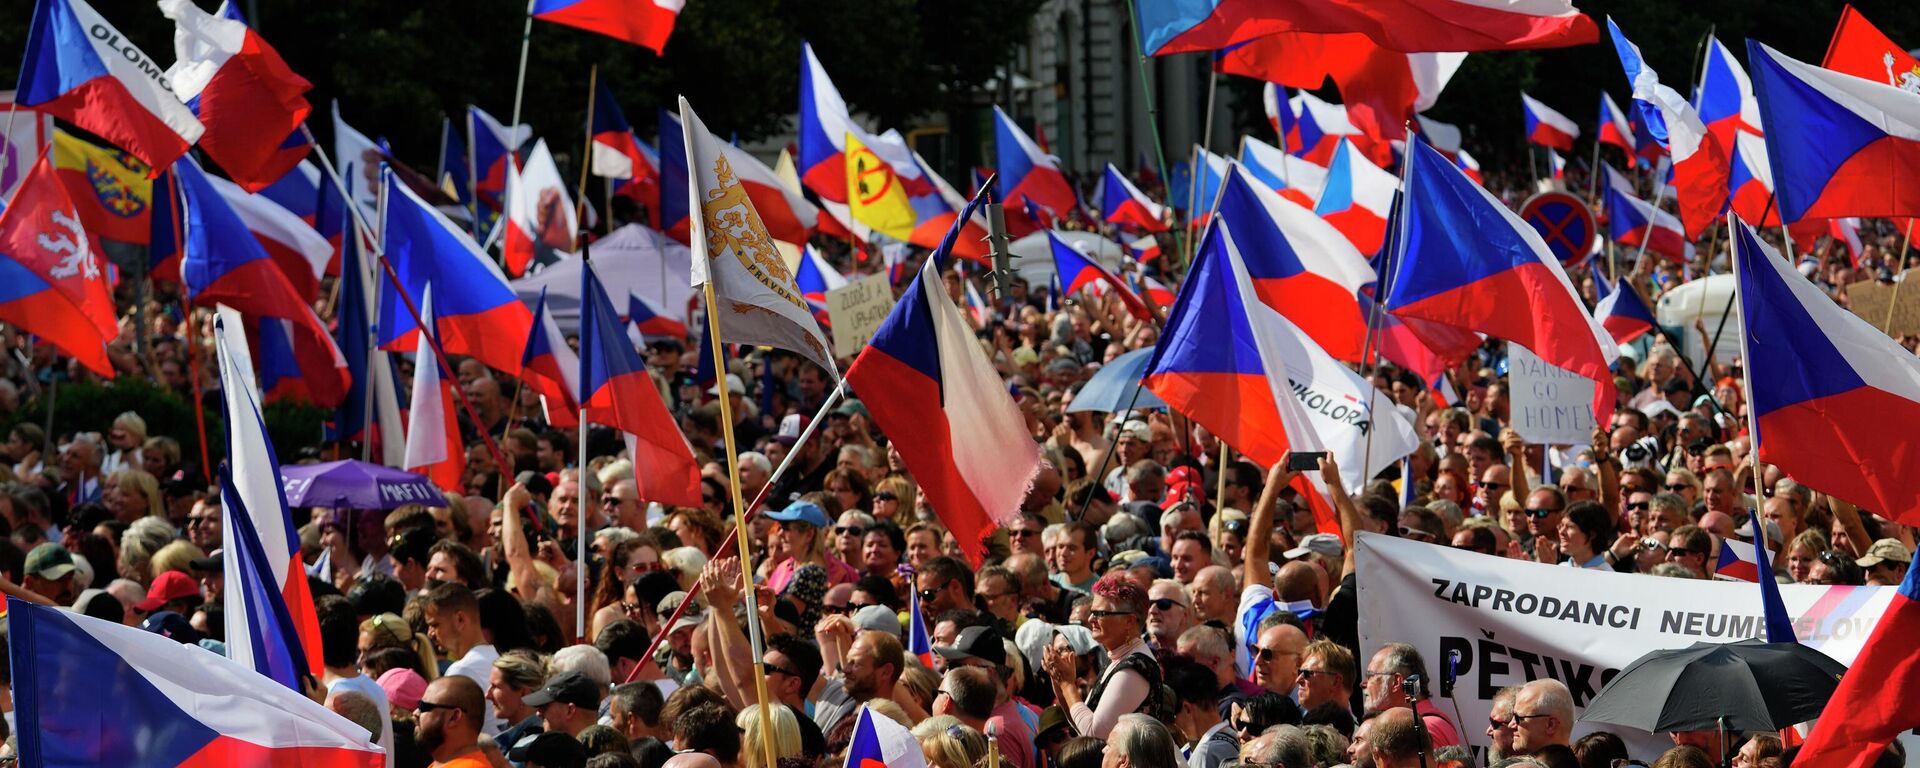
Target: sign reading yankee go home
<point x="1483" y="623"/>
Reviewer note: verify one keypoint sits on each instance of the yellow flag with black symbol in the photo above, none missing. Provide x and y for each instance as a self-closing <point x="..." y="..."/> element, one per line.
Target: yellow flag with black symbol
<point x="874" y="193"/>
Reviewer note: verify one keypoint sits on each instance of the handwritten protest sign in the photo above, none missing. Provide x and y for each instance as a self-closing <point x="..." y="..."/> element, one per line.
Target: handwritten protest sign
<point x="1549" y="405"/>
<point x="857" y="310"/>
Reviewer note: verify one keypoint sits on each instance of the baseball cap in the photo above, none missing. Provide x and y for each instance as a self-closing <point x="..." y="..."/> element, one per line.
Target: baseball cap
<point x="1317" y="544"/>
<point x="801" y="511"/>
<point x="172" y="625"/>
<point x="404" y="687"/>
<point x="49" y="561"/>
<point x="1882" y="550"/>
<point x="792" y="425"/>
<point x="213" y="563"/>
<point x="1137" y="430"/>
<point x="975" y="642"/>
<point x="878" y="618"/>
<point x="734" y="385"/>
<point x="568" y="688"/>
<point x="549" y="750"/>
<point x="1024" y="357"/>
<point x="170" y="586"/>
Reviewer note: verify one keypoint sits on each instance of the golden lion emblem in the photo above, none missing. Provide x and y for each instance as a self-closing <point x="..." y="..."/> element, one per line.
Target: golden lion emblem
<point x="733" y="225"/>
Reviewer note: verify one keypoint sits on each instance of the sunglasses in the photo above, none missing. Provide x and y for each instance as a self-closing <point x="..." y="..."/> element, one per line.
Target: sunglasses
<point x="885" y="496"/>
<point x="1266" y="654"/>
<point x="1653" y="546"/>
<point x="852" y="607"/>
<point x="428" y="706"/>
<point x="1489" y="486"/>
<point x="1639" y="506"/>
<point x="926" y="595"/>
<point x="1023" y="533"/>
<point x="1681" y="552"/>
<point x="1237" y="527"/>
<point x="1542" y="514"/>
<point x="849" y="530"/>
<point x="834" y="610"/>
<point x="1415" y="533"/>
<point x="1166" y="603"/>
<point x="1100" y="614"/>
<point x="1679" y="488"/>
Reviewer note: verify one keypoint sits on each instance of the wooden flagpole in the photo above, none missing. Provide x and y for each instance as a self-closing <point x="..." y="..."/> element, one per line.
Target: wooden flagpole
<point x="586" y="162"/>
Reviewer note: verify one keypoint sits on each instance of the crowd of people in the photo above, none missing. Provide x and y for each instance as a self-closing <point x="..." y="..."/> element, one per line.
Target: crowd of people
<point x="1146" y="606"/>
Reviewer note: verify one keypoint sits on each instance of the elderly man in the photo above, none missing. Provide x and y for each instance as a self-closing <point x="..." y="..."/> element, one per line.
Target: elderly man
<point x="1139" y="741"/>
<point x="1494" y="481"/>
<point x="1327" y="674"/>
<point x="1387" y="674"/>
<point x="1886" y="563"/>
<point x="1500" y="723"/>
<point x="1396" y="741"/>
<point x="1542" y="715"/>
<point x="1169" y="613"/>
<point x="1213" y="595"/>
<point x="1282" y="746"/>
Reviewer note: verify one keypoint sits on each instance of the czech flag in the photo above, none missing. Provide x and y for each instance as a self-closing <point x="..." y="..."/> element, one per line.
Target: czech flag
<point x="816" y="277"/>
<point x="1300" y="265"/>
<point x="621" y="155"/>
<point x="1382" y="88"/>
<point x="150" y="700"/>
<point x="824" y="124"/>
<point x="271" y="625"/>
<point x="434" y="448"/>
<point x="1837" y="402"/>
<point x="552" y="368"/>
<point x="477" y="314"/>
<point x="1752" y="181"/>
<point x="652" y="320"/>
<point x="919" y="643"/>
<point x="1622" y="312"/>
<point x="1840" y="145"/>
<point x="1025" y="170"/>
<point x="110" y="188"/>
<point x="453" y="164"/>
<point x="1469" y="166"/>
<point x="493" y="147"/>
<point x="1635" y="222"/>
<point x="928" y="383"/>
<point x="618" y="392"/>
<point x="1321" y="126"/>
<point x="788" y="215"/>
<point x="370" y="370"/>
<point x="1357" y="198"/>
<point x="1736" y="562"/>
<point x="79" y="68"/>
<point x="1869" y="708"/>
<point x="1725" y="100"/>
<point x="1295" y="179"/>
<point x="52" y="282"/>
<point x="251" y="103"/>
<point x="1280" y="114"/>
<point x="1180" y="26"/>
<point x="299" y="250"/>
<point x="1547" y="127"/>
<point x="1145" y="249"/>
<point x="1472" y="263"/>
<point x="225" y="264"/>
<point x="1077" y="272"/>
<point x="1615" y="129"/>
<point x="1700" y="165"/>
<point x="1123" y="203"/>
<point x="881" y="741"/>
<point x="645" y="23"/>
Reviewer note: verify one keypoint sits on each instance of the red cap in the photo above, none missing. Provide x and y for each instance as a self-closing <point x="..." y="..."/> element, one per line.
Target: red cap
<point x="172" y="585"/>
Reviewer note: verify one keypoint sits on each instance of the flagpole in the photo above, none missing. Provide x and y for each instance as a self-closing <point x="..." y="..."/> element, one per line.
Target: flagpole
<point x="606" y="222"/>
<point x="193" y="353"/>
<point x="1381" y="291"/>
<point x="1899" y="267"/>
<point x="1746" y="387"/>
<point x="1593" y="171"/>
<point x="586" y="164"/>
<point x="580" y="482"/>
<point x="473" y="176"/>
<point x="754" y="640"/>
<point x="1146" y="90"/>
<point x="520" y="81"/>
<point x="727" y="544"/>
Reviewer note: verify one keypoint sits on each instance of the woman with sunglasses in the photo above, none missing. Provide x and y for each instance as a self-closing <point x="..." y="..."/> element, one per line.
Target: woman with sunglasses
<point x="849" y="532"/>
<point x="1131" y="683"/>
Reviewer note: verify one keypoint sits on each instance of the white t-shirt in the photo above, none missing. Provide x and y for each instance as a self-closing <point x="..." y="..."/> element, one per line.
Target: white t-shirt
<point x="477" y="666"/>
<point x="366" y="686"/>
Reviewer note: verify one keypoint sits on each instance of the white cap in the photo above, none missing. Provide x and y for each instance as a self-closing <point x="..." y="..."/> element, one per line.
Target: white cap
<point x="734" y="385"/>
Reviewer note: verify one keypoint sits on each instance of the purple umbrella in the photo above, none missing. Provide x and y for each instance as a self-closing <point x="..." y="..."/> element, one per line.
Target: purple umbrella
<point x="356" y="485"/>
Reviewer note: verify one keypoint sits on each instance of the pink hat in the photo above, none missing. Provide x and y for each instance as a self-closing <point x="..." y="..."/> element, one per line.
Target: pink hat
<point x="404" y="687"/>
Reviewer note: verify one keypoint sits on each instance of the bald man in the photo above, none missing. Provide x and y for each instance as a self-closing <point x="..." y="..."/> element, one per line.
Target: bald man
<point x="1542" y="715"/>
<point x="447" y="728"/>
<point x="1395" y="741"/>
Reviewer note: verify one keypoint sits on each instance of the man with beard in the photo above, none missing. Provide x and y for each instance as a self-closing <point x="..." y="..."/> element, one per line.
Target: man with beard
<point x="873" y="666"/>
<point x="1386" y="676"/>
<point x="449" y="721"/>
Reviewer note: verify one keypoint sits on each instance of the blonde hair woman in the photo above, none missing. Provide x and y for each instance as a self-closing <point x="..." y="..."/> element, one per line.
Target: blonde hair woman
<point x="133" y="494"/>
<point x="786" y="735"/>
<point x="177" y="555"/>
<point x="950" y="744"/>
<point x="387" y="630"/>
<point x="129" y="432"/>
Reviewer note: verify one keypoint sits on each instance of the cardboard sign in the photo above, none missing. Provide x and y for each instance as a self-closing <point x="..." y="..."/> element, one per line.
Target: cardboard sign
<point x="1549" y="405"/>
<point x="857" y="310"/>
<point x="1869" y="300"/>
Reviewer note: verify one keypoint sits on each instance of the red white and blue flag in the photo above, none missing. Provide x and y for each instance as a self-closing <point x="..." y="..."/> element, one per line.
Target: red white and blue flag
<point x="1294" y="178"/>
<point x="1835" y="140"/>
<point x="1027" y="171"/>
<point x="1615" y="129"/>
<point x="1300" y="265"/>
<point x="150" y="700"/>
<point x="651" y="320"/>
<point x="250" y="101"/>
<point x="1144" y="249"/>
<point x="1869" y="709"/>
<point x="1180" y="26"/>
<point x="816" y="277"/>
<point x="271" y="625"/>
<point x="475" y="312"/>
<point x="1621" y="311"/>
<point x="434" y="448"/>
<point x="621" y="155"/>
<point x="1839" y="399"/>
<point x="1357" y="198"/>
<point x="1700" y="161"/>
<point x="493" y="148"/>
<point x="924" y="379"/>
<point x="1725" y="98"/>
<point x="1635" y="222"/>
<point x="79" y="68"/>
<point x="552" y="368"/>
<point x="1382" y="88"/>
<point x="645" y="23"/>
<point x="1547" y="127"/>
<point x="1077" y="271"/>
<point x="1752" y="181"/>
<point x="1471" y="263"/>
<point x="294" y="245"/>
<point x="617" y="391"/>
<point x="879" y="741"/>
<point x="1123" y="203"/>
<point x="52" y="281"/>
<point x="919" y="643"/>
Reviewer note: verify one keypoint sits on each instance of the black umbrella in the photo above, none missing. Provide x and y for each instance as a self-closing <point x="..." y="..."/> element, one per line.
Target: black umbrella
<point x="1745" y="686"/>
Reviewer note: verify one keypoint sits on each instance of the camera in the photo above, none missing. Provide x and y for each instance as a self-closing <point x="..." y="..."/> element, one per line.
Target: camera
<point x="1641" y="453"/>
